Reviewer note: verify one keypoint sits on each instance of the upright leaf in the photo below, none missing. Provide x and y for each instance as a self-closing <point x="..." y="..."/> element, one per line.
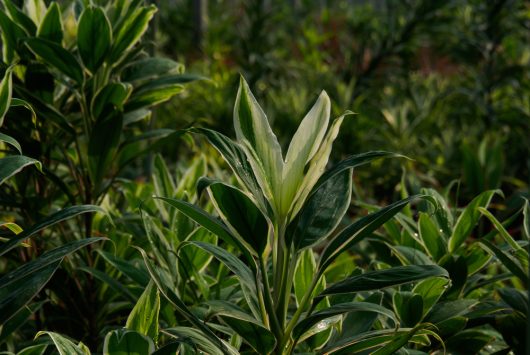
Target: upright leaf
<point x="12" y="33"/>
<point x="144" y="316"/>
<point x="20" y="17"/>
<point x="51" y="27"/>
<point x="253" y="131"/>
<point x="5" y="93"/>
<point x="94" y="37"/>
<point x="469" y="218"/>
<point x="127" y="342"/>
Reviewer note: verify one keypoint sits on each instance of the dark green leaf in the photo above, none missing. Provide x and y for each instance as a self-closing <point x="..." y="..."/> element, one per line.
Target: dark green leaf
<point x="113" y="95"/>
<point x="58" y="57"/>
<point x="198" y="340"/>
<point x="506" y="259"/>
<point x="409" y="307"/>
<point x="94" y="37"/>
<point x="323" y="211"/>
<point x="337" y="309"/>
<point x="20" y="18"/>
<point x="54" y="218"/>
<point x="64" y="345"/>
<point x="51" y="27"/>
<point x="127" y="342"/>
<point x="11" y="34"/>
<point x="375" y="280"/>
<point x="150" y="68"/>
<point x="12" y="164"/>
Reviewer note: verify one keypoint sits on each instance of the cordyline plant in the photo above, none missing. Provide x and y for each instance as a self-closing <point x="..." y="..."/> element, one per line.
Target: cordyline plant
<point x="270" y="224"/>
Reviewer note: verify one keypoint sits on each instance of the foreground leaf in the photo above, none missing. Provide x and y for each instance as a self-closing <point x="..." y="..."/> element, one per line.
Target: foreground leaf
<point x="64" y="345"/>
<point x="127" y="342"/>
<point x="144" y="316"/>
<point x="12" y="164"/>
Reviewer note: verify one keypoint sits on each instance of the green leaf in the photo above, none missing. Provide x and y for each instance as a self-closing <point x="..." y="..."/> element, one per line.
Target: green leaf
<point x="303" y="147"/>
<point x="57" y="57"/>
<point x="253" y="332"/>
<point x="181" y="307"/>
<point x="20" y="18"/>
<point x="506" y="259"/>
<point x="359" y="230"/>
<point x="64" y="345"/>
<point x="150" y="68"/>
<point x="322" y="212"/>
<point x="115" y="285"/>
<point x="234" y="155"/>
<point x="103" y="146"/>
<point x="144" y="316"/>
<point x="375" y="280"/>
<point x="12" y="141"/>
<point x="469" y="218"/>
<point x="158" y="90"/>
<point x="430" y="235"/>
<point x="431" y="290"/>
<point x="207" y="221"/>
<point x="304" y="273"/>
<point x="51" y="27"/>
<point x="197" y="339"/>
<point x="111" y="96"/>
<point x="34" y="350"/>
<point x="6" y="86"/>
<point x="255" y="134"/>
<point x="12" y="33"/>
<point x="94" y="37"/>
<point x="12" y="164"/>
<point x="127" y="342"/>
<point x="240" y="214"/>
<point x="409" y="307"/>
<point x="337" y="309"/>
<point x="502" y="231"/>
<point x="19" y="286"/>
<point x="245" y="276"/>
<point x="526" y="220"/>
<point x="52" y="219"/>
<point x="130" y="31"/>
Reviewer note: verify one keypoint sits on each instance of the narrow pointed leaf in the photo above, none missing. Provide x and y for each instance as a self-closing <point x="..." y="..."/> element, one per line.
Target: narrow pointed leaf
<point x="52" y="219"/>
<point x="506" y="259"/>
<point x="6" y="86"/>
<point x="338" y="309"/>
<point x="359" y="230"/>
<point x="12" y="164"/>
<point x="198" y="340"/>
<point x="20" y="17"/>
<point x="58" y="57"/>
<point x="431" y="237"/>
<point x="375" y="280"/>
<point x="11" y="141"/>
<point x="469" y="218"/>
<point x="144" y="316"/>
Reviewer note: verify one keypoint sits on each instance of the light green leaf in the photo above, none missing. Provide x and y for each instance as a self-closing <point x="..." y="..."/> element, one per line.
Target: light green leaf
<point x="431" y="290"/>
<point x="64" y="345"/>
<point x="469" y="218"/>
<point x="431" y="237"/>
<point x="263" y="150"/>
<point x="127" y="342"/>
<point x="201" y="342"/>
<point x="6" y="86"/>
<point x="36" y="10"/>
<point x="51" y="27"/>
<point x="12" y="164"/>
<point x="58" y="57"/>
<point x="130" y="31"/>
<point x="11" y="141"/>
<point x="94" y="37"/>
<point x="11" y="34"/>
<point x="303" y="147"/>
<point x="144" y="316"/>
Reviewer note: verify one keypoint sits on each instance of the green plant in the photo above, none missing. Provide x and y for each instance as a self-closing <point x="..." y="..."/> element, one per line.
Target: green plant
<point x="281" y="209"/>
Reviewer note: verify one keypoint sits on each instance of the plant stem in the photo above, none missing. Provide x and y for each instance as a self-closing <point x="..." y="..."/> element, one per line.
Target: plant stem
<point x="275" y="326"/>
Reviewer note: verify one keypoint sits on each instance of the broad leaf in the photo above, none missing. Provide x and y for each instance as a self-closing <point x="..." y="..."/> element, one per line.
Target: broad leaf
<point x="255" y="134"/>
<point x="144" y="316"/>
<point x="51" y="27"/>
<point x="64" y="345"/>
<point x="127" y="342"/>
<point x="57" y="57"/>
<point x="431" y="237"/>
<point x="94" y="37"/>
<point x="240" y="213"/>
<point x="322" y="212"/>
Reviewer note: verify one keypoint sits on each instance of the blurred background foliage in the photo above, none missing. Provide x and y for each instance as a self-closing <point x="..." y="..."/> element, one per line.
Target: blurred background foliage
<point x="444" y="82"/>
